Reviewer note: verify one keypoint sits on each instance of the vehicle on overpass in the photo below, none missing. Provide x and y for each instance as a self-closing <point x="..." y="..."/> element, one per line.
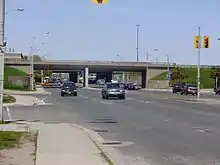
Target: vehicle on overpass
<point x="100" y="82"/>
<point x="113" y="90"/>
<point x="69" y="89"/>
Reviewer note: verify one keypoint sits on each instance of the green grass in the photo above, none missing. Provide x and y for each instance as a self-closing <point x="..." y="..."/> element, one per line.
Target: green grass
<point x="10" y="71"/>
<point x="206" y="81"/>
<point x="8" y="99"/>
<point x="9" y="139"/>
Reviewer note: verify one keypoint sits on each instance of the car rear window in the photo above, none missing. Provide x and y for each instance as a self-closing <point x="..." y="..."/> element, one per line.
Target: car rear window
<point x="70" y="85"/>
<point x="194" y="86"/>
<point x="113" y="85"/>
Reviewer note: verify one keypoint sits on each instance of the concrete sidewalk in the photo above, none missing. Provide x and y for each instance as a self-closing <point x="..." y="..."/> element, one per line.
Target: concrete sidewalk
<point x="38" y="91"/>
<point x="65" y="144"/>
<point x="25" y="100"/>
<point x="170" y="90"/>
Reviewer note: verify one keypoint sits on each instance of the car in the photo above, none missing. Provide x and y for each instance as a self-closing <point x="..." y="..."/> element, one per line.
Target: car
<point x="69" y="88"/>
<point x="178" y="87"/>
<point x="113" y="90"/>
<point x="100" y="82"/>
<point x="217" y="91"/>
<point x="189" y="89"/>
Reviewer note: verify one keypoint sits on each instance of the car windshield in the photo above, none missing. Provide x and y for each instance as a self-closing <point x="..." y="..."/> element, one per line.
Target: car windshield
<point x="113" y="85"/>
<point x="69" y="85"/>
<point x="194" y="86"/>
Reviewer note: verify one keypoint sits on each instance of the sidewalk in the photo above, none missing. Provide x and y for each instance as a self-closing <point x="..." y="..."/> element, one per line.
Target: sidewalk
<point x="14" y="92"/>
<point x="24" y="101"/>
<point x="170" y="90"/>
<point x="65" y="144"/>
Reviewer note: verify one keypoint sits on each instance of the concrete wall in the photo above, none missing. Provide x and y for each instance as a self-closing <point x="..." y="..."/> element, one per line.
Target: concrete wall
<point x="154" y="72"/>
<point x="17" y="80"/>
<point x="157" y="84"/>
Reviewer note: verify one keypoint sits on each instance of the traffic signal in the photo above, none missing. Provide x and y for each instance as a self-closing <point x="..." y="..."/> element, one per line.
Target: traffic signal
<point x="99" y="1"/>
<point x="206" y="42"/>
<point x="196" y="41"/>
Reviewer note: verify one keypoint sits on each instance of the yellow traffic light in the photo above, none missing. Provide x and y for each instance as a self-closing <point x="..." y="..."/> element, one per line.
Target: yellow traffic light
<point x="99" y="1"/>
<point x="196" y="41"/>
<point x="206" y="42"/>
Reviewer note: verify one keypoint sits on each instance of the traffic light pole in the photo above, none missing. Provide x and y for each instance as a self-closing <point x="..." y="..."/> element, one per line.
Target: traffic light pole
<point x="198" y="65"/>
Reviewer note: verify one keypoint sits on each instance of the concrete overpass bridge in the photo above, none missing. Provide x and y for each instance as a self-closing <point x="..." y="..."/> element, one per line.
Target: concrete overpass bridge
<point x="102" y="68"/>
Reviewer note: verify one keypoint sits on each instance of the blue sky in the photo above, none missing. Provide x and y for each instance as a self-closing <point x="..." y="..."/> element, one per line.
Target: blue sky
<point x="81" y="30"/>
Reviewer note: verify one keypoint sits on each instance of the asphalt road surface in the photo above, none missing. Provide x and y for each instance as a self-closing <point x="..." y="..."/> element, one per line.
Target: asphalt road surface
<point x="151" y="130"/>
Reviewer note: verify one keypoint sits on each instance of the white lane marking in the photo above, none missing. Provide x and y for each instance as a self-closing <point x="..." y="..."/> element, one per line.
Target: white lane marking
<point x="9" y="113"/>
<point x="85" y="97"/>
<point x="43" y="100"/>
<point x="145" y="101"/>
<point x="129" y="98"/>
<point x="106" y="102"/>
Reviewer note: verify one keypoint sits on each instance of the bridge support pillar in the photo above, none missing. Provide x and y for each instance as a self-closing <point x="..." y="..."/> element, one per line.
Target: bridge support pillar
<point x="73" y="76"/>
<point x="86" y="78"/>
<point x="144" y="78"/>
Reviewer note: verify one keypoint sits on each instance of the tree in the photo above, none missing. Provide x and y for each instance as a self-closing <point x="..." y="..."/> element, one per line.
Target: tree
<point x="37" y="58"/>
<point x="177" y="76"/>
<point x="215" y="72"/>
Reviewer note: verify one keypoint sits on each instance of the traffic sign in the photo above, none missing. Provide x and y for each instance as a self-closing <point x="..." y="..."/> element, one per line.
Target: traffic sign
<point x="168" y="75"/>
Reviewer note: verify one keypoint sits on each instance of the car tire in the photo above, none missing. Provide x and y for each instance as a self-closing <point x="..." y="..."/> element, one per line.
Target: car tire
<point x="62" y="94"/>
<point x="181" y="93"/>
<point x="75" y="94"/>
<point x="122" y="97"/>
<point x="174" y="91"/>
<point x="103" y="97"/>
<point x="106" y="97"/>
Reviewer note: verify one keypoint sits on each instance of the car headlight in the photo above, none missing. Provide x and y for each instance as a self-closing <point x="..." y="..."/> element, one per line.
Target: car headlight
<point x="63" y="90"/>
<point x="121" y="90"/>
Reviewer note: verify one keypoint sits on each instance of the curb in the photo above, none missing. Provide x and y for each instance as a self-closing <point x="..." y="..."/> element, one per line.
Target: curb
<point x="111" y="154"/>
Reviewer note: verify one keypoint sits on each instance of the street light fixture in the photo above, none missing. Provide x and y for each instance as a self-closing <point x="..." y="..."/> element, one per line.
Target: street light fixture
<point x="18" y="10"/>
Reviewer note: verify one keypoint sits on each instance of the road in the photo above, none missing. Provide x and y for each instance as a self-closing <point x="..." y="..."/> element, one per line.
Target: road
<point x="155" y="130"/>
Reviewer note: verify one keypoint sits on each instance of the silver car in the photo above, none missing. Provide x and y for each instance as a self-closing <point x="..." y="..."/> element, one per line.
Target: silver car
<point x="113" y="90"/>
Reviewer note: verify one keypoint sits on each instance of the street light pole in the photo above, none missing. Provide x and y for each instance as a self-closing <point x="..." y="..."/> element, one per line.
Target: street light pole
<point x="198" y="65"/>
<point x="2" y="35"/>
<point x="168" y="69"/>
<point x="32" y="63"/>
<point x="137" y="48"/>
<point x="147" y="67"/>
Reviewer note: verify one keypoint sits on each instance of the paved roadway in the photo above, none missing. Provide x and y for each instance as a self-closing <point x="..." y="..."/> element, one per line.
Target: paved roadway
<point x="155" y="130"/>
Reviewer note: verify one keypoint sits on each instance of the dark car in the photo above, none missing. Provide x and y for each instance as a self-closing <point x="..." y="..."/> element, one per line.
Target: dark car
<point x="178" y="87"/>
<point x="189" y="89"/>
<point x="217" y="91"/>
<point x="68" y="88"/>
<point x="113" y="90"/>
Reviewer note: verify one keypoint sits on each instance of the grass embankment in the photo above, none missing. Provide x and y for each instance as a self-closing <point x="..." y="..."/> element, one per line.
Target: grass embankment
<point x="10" y="71"/>
<point x="9" y="139"/>
<point x="206" y="81"/>
<point x="8" y="99"/>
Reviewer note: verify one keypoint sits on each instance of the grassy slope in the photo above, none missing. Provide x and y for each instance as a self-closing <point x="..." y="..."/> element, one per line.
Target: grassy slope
<point x="9" y="71"/>
<point x="206" y="81"/>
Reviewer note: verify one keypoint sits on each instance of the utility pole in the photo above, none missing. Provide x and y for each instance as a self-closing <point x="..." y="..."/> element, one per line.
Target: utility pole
<point x="198" y="65"/>
<point x="137" y="48"/>
<point x="168" y="70"/>
<point x="147" y="67"/>
<point x="2" y="44"/>
<point x="32" y="64"/>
